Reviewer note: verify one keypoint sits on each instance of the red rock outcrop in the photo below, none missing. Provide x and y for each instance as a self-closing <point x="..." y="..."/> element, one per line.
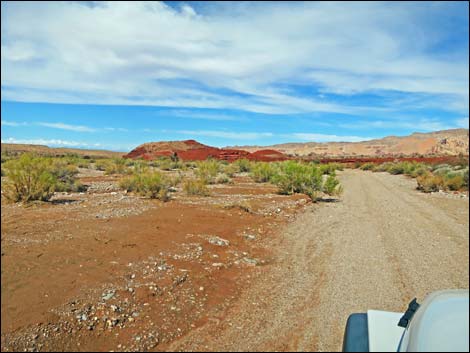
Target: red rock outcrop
<point x="191" y="150"/>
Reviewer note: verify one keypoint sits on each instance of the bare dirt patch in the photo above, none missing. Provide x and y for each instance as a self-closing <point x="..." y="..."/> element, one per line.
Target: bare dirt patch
<point x="106" y="270"/>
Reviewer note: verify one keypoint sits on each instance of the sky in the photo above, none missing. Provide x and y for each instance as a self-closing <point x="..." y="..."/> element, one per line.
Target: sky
<point x="113" y="75"/>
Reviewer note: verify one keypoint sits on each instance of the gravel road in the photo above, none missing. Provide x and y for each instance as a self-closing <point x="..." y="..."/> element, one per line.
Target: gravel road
<point x="380" y="246"/>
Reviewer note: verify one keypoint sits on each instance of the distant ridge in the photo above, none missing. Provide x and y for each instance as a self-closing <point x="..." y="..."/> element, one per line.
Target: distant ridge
<point x="445" y="142"/>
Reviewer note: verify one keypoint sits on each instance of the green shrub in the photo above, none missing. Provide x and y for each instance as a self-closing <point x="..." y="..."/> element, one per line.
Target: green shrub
<point x="455" y="183"/>
<point x="116" y="166"/>
<point x="222" y="179"/>
<point x="295" y="177"/>
<point x="331" y="186"/>
<point x="465" y="178"/>
<point x="65" y="175"/>
<point x="262" y="172"/>
<point x="244" y="165"/>
<point x="207" y="170"/>
<point x="367" y="166"/>
<point x="102" y="164"/>
<point x="195" y="187"/>
<point x="430" y="182"/>
<point x="150" y="184"/>
<point x="231" y="169"/>
<point x="29" y="179"/>
<point x="330" y="168"/>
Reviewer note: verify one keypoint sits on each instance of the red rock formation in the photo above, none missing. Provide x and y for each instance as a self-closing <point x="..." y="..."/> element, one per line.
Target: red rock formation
<point x="195" y="151"/>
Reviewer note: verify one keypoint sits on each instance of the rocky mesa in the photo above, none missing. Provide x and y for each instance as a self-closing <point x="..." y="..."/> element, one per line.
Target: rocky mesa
<point x="195" y="151"/>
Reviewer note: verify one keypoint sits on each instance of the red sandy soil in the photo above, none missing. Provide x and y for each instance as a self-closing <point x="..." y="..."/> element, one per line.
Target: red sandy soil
<point x="60" y="260"/>
<point x="195" y="151"/>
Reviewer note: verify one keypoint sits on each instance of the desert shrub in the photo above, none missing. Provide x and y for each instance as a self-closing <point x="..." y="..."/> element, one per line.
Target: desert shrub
<point x="330" y="168"/>
<point x="295" y="177"/>
<point x="139" y="167"/>
<point x="397" y="168"/>
<point x="150" y="184"/>
<point x="262" y="172"/>
<point x="367" y="166"/>
<point x="465" y="178"/>
<point x="430" y="182"/>
<point x="222" y="179"/>
<point x="195" y="187"/>
<point x="116" y="166"/>
<point x="101" y="164"/>
<point x="243" y="164"/>
<point x="168" y="163"/>
<point x="207" y="170"/>
<point x="230" y="169"/>
<point x="65" y="175"/>
<point x="455" y="183"/>
<point x="331" y="186"/>
<point x="29" y="179"/>
<point x="419" y="170"/>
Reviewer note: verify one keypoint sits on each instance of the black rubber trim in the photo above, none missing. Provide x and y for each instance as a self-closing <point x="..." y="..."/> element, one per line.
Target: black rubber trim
<point x="356" y="335"/>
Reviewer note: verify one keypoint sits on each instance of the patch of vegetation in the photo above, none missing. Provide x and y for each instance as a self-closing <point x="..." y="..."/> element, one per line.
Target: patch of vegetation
<point x="196" y="187"/>
<point x="294" y="177"/>
<point x="222" y="179"/>
<point x="243" y="164"/>
<point x="154" y="185"/>
<point x="116" y="166"/>
<point x="208" y="170"/>
<point x="367" y="166"/>
<point x="31" y="178"/>
<point x="262" y="172"/>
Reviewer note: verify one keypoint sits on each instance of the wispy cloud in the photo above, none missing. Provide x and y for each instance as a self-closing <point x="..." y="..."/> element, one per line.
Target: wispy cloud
<point x="62" y="126"/>
<point x="190" y="114"/>
<point x="226" y="134"/>
<point x="120" y="129"/>
<point x="13" y="123"/>
<point x="51" y="142"/>
<point x="237" y="56"/>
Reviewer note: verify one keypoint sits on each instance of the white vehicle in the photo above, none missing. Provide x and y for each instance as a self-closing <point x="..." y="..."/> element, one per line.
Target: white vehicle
<point x="439" y="324"/>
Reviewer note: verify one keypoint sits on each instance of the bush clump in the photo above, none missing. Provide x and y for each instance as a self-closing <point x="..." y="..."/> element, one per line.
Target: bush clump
<point x="262" y="172"/>
<point x="195" y="187"/>
<point x="295" y="177"/>
<point x="243" y="164"/>
<point x="367" y="166"/>
<point x="208" y="170"/>
<point x="154" y="185"/>
<point x="31" y="178"/>
<point x="430" y="182"/>
<point x="116" y="166"/>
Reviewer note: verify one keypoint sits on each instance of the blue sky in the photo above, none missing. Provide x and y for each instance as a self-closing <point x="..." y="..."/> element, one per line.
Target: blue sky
<point x="115" y="75"/>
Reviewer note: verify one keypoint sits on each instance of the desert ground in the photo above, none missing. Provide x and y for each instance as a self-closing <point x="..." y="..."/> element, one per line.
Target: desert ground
<point x="244" y="269"/>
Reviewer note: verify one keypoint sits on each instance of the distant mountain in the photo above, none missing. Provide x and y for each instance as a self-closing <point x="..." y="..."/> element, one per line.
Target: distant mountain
<point x="193" y="150"/>
<point x="447" y="142"/>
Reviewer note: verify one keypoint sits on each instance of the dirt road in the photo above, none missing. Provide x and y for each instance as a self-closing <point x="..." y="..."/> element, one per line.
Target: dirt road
<point x="382" y="245"/>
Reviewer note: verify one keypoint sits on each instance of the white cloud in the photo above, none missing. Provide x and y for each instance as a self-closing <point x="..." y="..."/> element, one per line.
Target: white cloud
<point x="225" y="134"/>
<point x="233" y="57"/>
<point x="12" y="123"/>
<point x="327" y="138"/>
<point x="62" y="126"/>
<point x="50" y="142"/>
